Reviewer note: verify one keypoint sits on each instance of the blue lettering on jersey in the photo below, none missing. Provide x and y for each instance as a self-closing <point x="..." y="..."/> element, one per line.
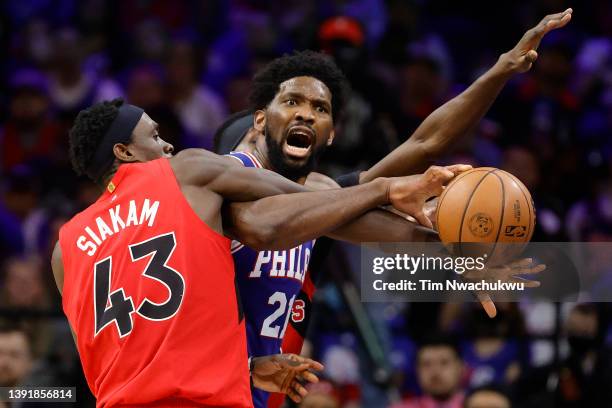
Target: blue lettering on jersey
<point x="269" y="282"/>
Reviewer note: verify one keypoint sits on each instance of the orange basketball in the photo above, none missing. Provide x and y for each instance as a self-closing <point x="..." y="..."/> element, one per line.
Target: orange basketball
<point x="486" y="206"/>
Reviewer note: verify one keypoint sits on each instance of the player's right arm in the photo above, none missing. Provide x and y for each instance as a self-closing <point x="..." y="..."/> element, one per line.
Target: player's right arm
<point x="279" y="220"/>
<point x="269" y="222"/>
<point x="285" y="221"/>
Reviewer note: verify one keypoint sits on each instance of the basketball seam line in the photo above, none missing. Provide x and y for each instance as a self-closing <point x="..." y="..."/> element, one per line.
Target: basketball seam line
<point x="443" y="196"/>
<point x="503" y="209"/>
<point x="466" y="208"/>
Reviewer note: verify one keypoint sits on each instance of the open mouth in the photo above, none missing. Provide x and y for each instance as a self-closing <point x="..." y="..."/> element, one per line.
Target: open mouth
<point x="299" y="142"/>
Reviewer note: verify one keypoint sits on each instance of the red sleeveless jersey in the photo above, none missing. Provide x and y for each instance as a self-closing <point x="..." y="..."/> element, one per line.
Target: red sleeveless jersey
<point x="149" y="290"/>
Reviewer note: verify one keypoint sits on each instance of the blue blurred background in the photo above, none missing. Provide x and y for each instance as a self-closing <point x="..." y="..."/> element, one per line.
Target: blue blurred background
<point x="189" y="65"/>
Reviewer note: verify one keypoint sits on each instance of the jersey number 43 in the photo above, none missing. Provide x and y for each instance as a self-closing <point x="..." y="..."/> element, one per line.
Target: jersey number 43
<point x="115" y="307"/>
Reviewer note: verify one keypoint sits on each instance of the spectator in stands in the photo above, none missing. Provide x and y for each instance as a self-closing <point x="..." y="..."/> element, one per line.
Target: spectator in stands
<point x="585" y="376"/>
<point x="200" y="110"/>
<point x="496" y="350"/>
<point x="71" y="86"/>
<point x="147" y="89"/>
<point x="439" y="370"/>
<point x="29" y="134"/>
<point x="16" y="359"/>
<point x="24" y="288"/>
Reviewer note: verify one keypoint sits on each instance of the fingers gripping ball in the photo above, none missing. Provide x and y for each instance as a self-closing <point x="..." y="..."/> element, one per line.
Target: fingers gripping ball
<point x="483" y="210"/>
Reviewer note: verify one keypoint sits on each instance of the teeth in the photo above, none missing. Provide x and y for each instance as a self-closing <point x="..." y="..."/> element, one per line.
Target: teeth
<point x="296" y="151"/>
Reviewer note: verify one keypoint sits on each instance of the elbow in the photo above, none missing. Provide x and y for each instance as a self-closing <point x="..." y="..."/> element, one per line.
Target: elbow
<point x="260" y="234"/>
<point x="262" y="239"/>
<point x="431" y="150"/>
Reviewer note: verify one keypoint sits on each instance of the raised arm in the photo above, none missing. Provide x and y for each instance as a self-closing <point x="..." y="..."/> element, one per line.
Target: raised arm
<point x="443" y="127"/>
<point x="284" y="221"/>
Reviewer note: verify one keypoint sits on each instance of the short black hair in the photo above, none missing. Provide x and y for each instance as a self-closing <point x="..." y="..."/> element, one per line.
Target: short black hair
<point x="266" y="82"/>
<point x="88" y="130"/>
<point x="439" y="340"/>
<point x="17" y="326"/>
<point x="7" y="326"/>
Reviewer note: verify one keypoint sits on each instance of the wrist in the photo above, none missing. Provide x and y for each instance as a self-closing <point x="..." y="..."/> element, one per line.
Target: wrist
<point x="504" y="68"/>
<point x="383" y="187"/>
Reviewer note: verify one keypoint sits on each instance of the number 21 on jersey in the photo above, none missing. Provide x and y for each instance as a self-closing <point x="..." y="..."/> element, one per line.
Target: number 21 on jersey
<point x="269" y="329"/>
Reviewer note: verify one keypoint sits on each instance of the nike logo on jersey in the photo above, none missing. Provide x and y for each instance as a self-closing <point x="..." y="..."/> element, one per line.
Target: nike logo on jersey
<point x="290" y="264"/>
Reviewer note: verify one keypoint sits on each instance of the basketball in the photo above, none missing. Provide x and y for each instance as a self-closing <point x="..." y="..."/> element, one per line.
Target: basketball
<point x="482" y="208"/>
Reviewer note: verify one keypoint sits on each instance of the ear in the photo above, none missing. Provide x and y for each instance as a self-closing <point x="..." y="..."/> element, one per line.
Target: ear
<point x="330" y="139"/>
<point x="259" y="120"/>
<point x="123" y="153"/>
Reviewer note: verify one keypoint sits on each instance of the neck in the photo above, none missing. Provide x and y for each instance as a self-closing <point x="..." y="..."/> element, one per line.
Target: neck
<point x="301" y="180"/>
<point x="109" y="176"/>
<point x="260" y="151"/>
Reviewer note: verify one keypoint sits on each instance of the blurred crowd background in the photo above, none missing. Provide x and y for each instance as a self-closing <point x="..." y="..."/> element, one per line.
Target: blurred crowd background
<point x="189" y="65"/>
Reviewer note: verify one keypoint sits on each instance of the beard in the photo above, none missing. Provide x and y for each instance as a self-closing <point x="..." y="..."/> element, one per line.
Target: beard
<point x="284" y="166"/>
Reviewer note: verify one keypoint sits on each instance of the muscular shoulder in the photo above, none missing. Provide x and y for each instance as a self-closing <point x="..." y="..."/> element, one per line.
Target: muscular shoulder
<point x="199" y="166"/>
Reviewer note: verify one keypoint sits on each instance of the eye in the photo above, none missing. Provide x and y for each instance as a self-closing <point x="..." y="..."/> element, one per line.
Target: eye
<point x="291" y="102"/>
<point x="322" y="109"/>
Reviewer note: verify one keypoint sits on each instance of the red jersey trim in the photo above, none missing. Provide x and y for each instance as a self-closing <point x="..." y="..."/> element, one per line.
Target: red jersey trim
<point x="252" y="157"/>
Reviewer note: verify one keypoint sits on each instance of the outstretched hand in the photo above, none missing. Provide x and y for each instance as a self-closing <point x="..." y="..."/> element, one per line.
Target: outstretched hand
<point x="511" y="272"/>
<point x="523" y="55"/>
<point x="285" y="373"/>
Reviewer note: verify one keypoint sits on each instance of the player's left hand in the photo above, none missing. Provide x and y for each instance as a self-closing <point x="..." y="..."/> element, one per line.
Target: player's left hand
<point x="523" y="55"/>
<point x="510" y="272"/>
<point x="285" y="373"/>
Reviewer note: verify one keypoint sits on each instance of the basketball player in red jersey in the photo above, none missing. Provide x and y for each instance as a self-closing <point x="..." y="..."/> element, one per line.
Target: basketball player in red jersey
<point x="146" y="274"/>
